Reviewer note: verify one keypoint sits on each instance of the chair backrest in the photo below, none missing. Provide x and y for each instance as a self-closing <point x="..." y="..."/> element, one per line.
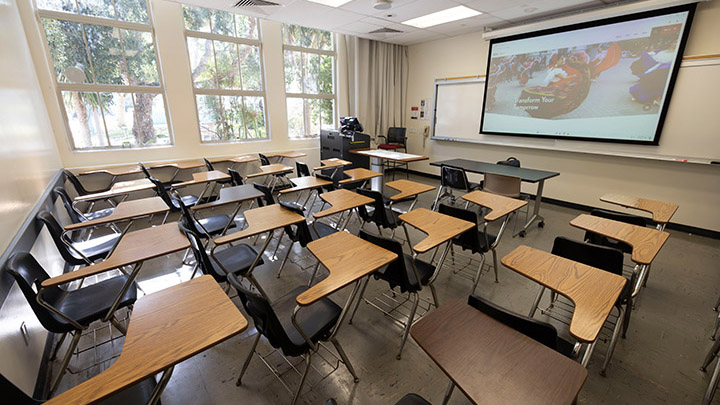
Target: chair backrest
<point x="263" y="159"/>
<point x="396" y="135"/>
<point x="13" y="394"/>
<point x="454" y="177"/>
<point x="27" y="272"/>
<point x="330" y="187"/>
<point x="507" y="186"/>
<point x="353" y="185"/>
<point x="396" y="273"/>
<point x="56" y="232"/>
<point x="145" y="170"/>
<point x="540" y="331"/>
<point x="469" y="239"/>
<point x="299" y="232"/>
<point x="511" y="161"/>
<point x="597" y="239"/>
<point x="201" y="256"/>
<point x="78" y="186"/>
<point x="302" y="169"/>
<point x="264" y="318"/>
<point x="186" y="217"/>
<point x="208" y="165"/>
<point x="237" y="179"/>
<point x="379" y="215"/>
<point x="268" y="197"/>
<point x="163" y="194"/>
<point x="604" y="258"/>
<point x="61" y="193"/>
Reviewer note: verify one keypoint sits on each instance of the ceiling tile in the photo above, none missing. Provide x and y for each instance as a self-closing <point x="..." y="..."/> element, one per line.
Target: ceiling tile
<point x="416" y="9"/>
<point x="467" y="25"/>
<point x="417" y="37"/>
<point x="365" y="6"/>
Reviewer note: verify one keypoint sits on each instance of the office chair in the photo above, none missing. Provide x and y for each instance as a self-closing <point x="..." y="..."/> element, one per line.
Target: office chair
<point x="452" y="178"/>
<point x="395" y="140"/>
<point x="296" y="331"/>
<point x="475" y="240"/>
<point x="78" y="253"/>
<point x="407" y="272"/>
<point x="604" y="258"/>
<point x="68" y="311"/>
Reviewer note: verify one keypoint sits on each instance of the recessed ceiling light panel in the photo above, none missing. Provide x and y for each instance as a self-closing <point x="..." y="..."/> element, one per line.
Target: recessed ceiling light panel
<point x="442" y="17"/>
<point x="331" y="3"/>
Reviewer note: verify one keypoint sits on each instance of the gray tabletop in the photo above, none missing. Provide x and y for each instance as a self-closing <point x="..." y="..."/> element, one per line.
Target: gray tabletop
<point x="528" y="175"/>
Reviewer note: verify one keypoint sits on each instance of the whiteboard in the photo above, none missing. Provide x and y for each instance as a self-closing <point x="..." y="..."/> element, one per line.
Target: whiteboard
<point x="691" y="132"/>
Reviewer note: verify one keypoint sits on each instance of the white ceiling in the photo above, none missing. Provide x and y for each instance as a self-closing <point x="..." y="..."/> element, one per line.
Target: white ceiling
<point x="358" y="17"/>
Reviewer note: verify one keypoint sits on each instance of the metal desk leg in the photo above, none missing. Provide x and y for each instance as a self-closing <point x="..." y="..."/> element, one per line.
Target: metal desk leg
<point x="376" y="165"/>
<point x="536" y="211"/>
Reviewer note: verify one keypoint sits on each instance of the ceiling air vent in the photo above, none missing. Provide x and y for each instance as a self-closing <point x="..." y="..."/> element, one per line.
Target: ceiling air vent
<point x="385" y="30"/>
<point x="255" y="3"/>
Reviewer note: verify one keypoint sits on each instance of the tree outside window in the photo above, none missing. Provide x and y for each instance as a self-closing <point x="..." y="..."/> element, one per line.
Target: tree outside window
<point x="226" y="66"/>
<point x="309" y="80"/>
<point x="106" y="70"/>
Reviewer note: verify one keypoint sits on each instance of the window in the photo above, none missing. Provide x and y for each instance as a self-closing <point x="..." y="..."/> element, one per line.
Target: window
<point x="106" y="72"/>
<point x="309" y="80"/>
<point x="226" y="66"/>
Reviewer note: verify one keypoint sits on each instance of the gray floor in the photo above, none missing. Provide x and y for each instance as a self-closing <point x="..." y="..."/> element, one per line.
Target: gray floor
<point x="657" y="363"/>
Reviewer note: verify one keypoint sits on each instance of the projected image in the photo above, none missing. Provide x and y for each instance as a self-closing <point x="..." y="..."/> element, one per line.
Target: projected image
<point x="583" y="80"/>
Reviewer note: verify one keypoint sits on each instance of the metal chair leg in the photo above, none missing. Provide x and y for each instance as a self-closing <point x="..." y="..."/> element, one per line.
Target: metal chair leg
<point x="437" y="198"/>
<point x="406" y="332"/>
<point x="247" y="360"/>
<point x="359" y="298"/>
<point x="284" y="260"/>
<point x="717" y="304"/>
<point x="57" y="346"/>
<point x="626" y="318"/>
<point x="345" y="359"/>
<point x="312" y="278"/>
<point x="436" y="301"/>
<point x="712" y="386"/>
<point x="448" y="392"/>
<point x="715" y="328"/>
<point x="479" y="272"/>
<point x="452" y="254"/>
<point x="308" y="360"/>
<point x="495" y="264"/>
<point x="537" y="301"/>
<point x="66" y="360"/>
<point x="613" y="341"/>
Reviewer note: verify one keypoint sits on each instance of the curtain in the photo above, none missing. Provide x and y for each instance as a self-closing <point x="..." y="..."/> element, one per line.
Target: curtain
<point x="377" y="83"/>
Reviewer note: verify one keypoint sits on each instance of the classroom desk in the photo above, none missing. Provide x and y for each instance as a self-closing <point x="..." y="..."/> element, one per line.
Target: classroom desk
<point x="494" y="364"/>
<point x="645" y="242"/>
<point x="499" y="205"/>
<point x="178" y="165"/>
<point x="285" y="155"/>
<point x="114" y="171"/>
<point x="303" y="183"/>
<point x="332" y="163"/>
<point x="274" y="170"/>
<point x="133" y="248"/>
<point x="260" y="220"/>
<point x="232" y="195"/>
<point x="359" y="174"/>
<point x="166" y="328"/>
<point x="236" y="159"/>
<point x="439" y="228"/>
<point x="377" y="156"/>
<point x="126" y="210"/>
<point x="593" y="291"/>
<point x="117" y="189"/>
<point x="340" y="201"/>
<point x="661" y="211"/>
<point x="407" y="189"/>
<point x="527" y="175"/>
<point x="206" y="178"/>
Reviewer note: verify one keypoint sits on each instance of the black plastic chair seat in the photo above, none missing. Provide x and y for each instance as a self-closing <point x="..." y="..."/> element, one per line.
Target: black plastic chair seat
<point x="282" y="186"/>
<point x="235" y="259"/>
<point x="293" y="206"/>
<point x="320" y="230"/>
<point x="90" y="303"/>
<point x="424" y="269"/>
<point x="188" y="200"/>
<point x="481" y="246"/>
<point x="316" y="320"/>
<point x="98" y="214"/>
<point x="96" y="248"/>
<point x="214" y="225"/>
<point x="412" y="399"/>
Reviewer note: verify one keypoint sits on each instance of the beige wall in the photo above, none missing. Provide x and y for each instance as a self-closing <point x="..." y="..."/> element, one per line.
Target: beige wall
<point x="584" y="178"/>
<point x="175" y="68"/>
<point x="28" y="161"/>
<point x="28" y="154"/>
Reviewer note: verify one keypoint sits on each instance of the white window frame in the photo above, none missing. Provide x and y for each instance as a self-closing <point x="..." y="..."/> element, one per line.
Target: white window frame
<point x="304" y="96"/>
<point x="104" y="88"/>
<point x="229" y="92"/>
